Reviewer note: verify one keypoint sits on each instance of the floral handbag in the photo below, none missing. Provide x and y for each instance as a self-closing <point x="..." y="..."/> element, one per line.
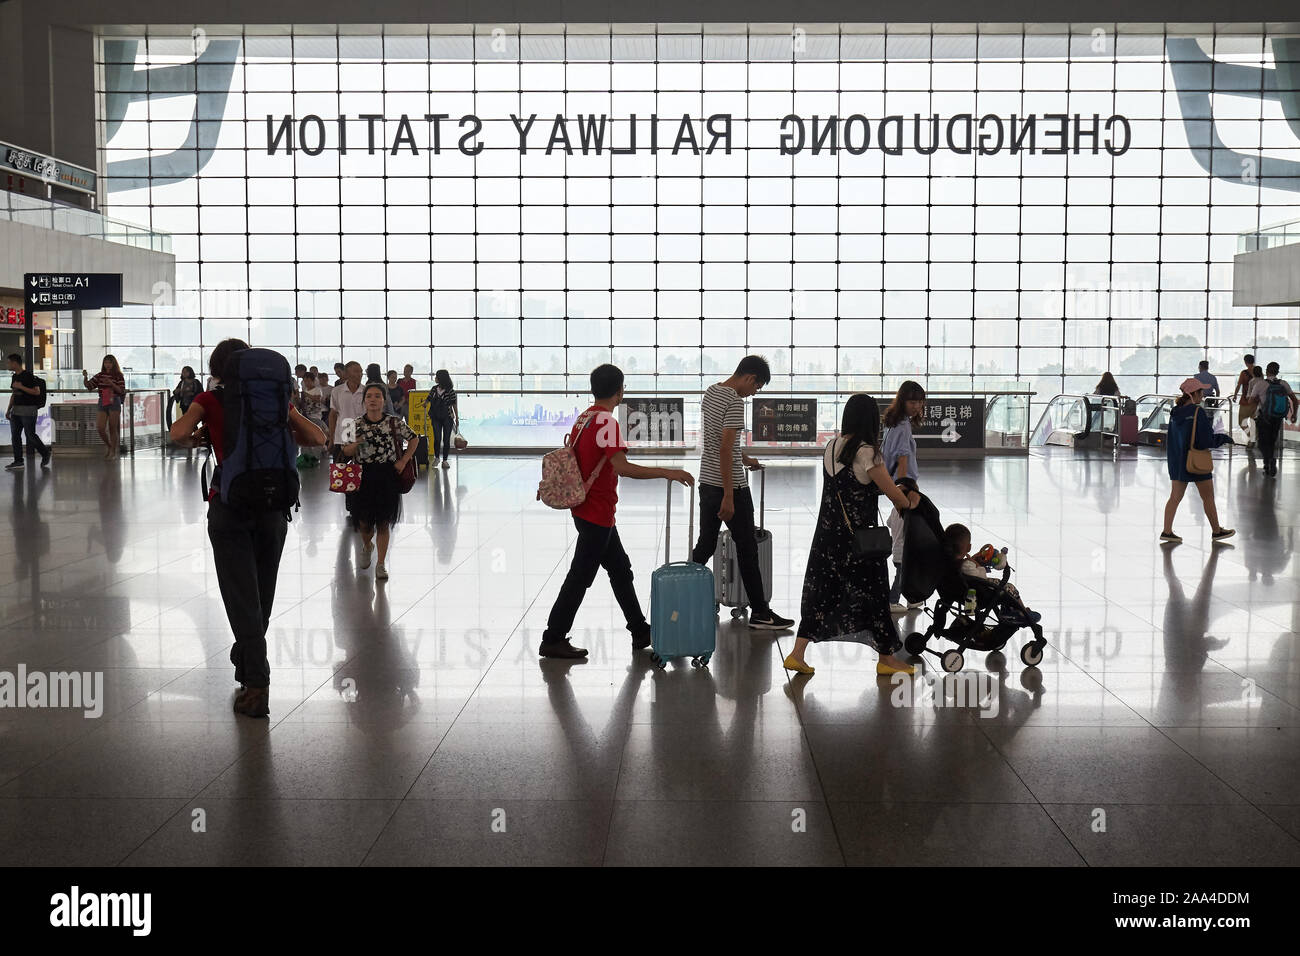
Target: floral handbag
<point x="345" y="478"/>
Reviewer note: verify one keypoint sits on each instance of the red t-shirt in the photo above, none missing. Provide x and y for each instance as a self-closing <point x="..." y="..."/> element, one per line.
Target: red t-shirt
<point x="600" y="439"/>
<point x="407" y="384"/>
<point x="214" y="418"/>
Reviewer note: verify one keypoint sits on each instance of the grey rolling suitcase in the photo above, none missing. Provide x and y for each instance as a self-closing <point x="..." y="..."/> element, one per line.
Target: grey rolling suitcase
<point x="729" y="588"/>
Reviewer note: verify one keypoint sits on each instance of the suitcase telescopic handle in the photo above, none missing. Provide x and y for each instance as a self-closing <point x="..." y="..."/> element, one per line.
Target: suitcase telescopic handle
<point x="668" y="525"/>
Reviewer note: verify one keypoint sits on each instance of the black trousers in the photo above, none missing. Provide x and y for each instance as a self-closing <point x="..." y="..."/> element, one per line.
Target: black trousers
<point x="597" y="548"/>
<point x="441" y="437"/>
<point x="742" y="531"/>
<point x="1269" y="430"/>
<point x="18" y="424"/>
<point x="246" y="547"/>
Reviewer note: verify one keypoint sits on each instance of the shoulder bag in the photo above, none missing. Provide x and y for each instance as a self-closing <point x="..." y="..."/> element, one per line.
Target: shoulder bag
<point x="405" y="477"/>
<point x="1199" y="461"/>
<point x="869" y="541"/>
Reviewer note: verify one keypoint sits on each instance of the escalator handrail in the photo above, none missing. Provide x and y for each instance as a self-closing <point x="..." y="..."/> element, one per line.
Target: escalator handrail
<point x="1048" y="407"/>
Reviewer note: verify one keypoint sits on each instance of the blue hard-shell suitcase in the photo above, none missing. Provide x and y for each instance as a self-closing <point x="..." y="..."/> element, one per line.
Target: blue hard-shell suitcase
<point x="683" y="619"/>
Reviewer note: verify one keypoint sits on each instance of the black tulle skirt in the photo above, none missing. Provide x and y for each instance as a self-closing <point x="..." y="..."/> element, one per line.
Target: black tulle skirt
<point x="378" y="500"/>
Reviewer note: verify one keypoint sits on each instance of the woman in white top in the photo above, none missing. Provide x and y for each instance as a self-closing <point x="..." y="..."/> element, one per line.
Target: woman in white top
<point x="846" y="595"/>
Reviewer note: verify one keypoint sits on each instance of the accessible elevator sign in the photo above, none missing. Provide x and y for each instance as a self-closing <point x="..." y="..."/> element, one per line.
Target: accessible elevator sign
<point x="59" y="291"/>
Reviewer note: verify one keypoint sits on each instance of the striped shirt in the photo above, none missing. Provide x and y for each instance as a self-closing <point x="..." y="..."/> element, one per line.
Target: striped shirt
<point x="720" y="408"/>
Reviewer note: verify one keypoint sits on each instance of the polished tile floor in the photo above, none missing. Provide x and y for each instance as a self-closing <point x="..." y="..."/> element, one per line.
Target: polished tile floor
<point x="412" y="722"/>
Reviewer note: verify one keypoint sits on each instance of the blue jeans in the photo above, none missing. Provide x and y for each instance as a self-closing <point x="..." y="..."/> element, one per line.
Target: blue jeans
<point x="441" y="438"/>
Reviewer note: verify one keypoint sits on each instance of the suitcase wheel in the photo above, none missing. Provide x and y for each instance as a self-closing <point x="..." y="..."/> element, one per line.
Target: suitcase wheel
<point x="701" y="661"/>
<point x="658" y="661"/>
<point x="738" y="612"/>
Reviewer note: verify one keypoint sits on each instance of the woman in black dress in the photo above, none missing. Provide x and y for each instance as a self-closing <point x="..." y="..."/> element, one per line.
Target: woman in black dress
<point x="377" y="504"/>
<point x="846" y="596"/>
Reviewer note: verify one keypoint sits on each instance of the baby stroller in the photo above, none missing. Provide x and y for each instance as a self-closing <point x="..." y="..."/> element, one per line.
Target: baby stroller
<point x="928" y="567"/>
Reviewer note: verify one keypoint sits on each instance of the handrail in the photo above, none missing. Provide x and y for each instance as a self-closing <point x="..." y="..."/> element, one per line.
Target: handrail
<point x="673" y="393"/>
<point x="74" y="220"/>
<point x="1107" y="407"/>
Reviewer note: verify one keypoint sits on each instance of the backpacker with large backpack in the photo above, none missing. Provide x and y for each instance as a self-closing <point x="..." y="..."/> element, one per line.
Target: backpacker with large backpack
<point x="258" y="472"/>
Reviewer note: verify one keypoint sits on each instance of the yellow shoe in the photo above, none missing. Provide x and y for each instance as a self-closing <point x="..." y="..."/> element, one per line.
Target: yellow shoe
<point x="798" y="667"/>
<point x="884" y="670"/>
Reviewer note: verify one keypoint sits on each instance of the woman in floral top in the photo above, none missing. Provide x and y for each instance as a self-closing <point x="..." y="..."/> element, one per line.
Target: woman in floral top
<point x="374" y="443"/>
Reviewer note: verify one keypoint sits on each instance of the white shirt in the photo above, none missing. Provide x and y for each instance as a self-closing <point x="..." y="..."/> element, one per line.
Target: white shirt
<point x="862" y="461"/>
<point x="347" y="403"/>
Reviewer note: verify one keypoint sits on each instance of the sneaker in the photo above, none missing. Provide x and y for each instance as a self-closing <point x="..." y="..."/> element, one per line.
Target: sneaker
<point x="897" y="609"/>
<point x="641" y="638"/>
<point x="16" y="466"/>
<point x="1222" y="533"/>
<point x="769" y="621"/>
<point x="561" y="649"/>
<point x="446" y="463"/>
<point x="1170" y="536"/>
<point x="913" y="605"/>
<point x="366" y="551"/>
<point x="381" y="573"/>
<point x="45" y="459"/>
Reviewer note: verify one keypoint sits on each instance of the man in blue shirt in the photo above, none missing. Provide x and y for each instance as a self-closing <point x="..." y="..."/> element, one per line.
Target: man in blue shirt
<point x="1206" y="378"/>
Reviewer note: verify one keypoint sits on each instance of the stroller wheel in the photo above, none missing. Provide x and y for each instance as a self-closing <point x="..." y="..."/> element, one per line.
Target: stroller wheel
<point x="952" y="661"/>
<point x="1031" y="655"/>
<point x="914" y="643"/>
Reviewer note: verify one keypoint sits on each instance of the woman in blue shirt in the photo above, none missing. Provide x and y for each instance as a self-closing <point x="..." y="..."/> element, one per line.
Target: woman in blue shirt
<point x="899" y="451"/>
<point x="1186" y="414"/>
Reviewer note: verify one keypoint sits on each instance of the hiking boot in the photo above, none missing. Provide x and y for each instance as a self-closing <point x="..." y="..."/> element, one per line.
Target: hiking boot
<point x="253" y="702"/>
<point x="641" y="638"/>
<point x="561" y="649"/>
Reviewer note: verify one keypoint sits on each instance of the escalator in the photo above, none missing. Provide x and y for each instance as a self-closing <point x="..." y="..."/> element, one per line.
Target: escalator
<point x="1153" y="419"/>
<point x="1079" y="421"/>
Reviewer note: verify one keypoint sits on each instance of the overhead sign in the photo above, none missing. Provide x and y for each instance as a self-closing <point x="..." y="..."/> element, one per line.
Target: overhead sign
<point x="653" y="419"/>
<point x="952" y="422"/>
<point x="785" y="419"/>
<point x="38" y="166"/>
<point x="57" y="291"/>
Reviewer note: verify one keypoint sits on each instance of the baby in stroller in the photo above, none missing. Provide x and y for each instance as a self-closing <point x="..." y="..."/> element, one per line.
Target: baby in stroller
<point x="934" y="561"/>
<point x="959" y="541"/>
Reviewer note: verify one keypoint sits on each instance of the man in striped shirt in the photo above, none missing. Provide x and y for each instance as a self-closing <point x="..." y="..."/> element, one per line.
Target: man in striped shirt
<point x="724" y="488"/>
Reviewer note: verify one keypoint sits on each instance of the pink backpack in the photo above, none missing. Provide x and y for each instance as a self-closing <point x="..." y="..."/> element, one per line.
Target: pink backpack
<point x="562" y="484"/>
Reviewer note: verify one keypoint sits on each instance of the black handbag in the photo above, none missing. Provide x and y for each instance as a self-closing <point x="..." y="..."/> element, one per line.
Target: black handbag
<point x="869" y="541"/>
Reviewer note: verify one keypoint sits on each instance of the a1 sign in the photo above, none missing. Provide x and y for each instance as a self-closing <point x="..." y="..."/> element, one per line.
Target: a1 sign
<point x="57" y="291"/>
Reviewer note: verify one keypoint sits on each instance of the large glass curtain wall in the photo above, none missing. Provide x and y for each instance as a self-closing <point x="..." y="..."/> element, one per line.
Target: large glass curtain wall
<point x="849" y="268"/>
